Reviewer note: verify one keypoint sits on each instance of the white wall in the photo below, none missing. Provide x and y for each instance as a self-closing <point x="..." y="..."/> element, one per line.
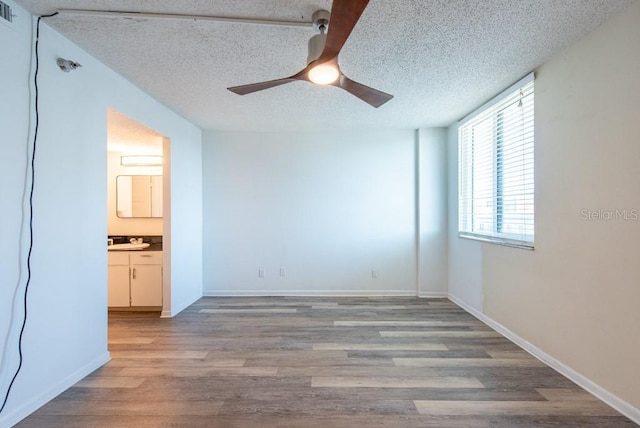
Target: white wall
<point x="329" y="207"/>
<point x="183" y="218"/>
<point x="576" y="296"/>
<point x="66" y="330"/>
<point x="432" y="212"/>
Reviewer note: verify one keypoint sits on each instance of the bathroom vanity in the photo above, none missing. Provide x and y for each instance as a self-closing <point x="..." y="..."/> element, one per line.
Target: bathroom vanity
<point x="134" y="277"/>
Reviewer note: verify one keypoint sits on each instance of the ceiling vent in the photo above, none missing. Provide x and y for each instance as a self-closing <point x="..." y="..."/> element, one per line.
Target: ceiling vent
<point x="5" y="12"/>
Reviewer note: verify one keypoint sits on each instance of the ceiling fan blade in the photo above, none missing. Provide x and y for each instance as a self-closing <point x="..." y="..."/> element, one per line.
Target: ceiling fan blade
<point x="344" y="16"/>
<point x="255" y="87"/>
<point x="369" y="95"/>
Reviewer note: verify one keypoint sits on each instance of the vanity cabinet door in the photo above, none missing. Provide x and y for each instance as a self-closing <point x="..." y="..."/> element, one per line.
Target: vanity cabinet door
<point x="146" y="285"/>
<point x="146" y="279"/>
<point x="118" y="280"/>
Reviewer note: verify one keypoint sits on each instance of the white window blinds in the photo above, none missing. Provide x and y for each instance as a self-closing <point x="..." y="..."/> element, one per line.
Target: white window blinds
<point x="495" y="168"/>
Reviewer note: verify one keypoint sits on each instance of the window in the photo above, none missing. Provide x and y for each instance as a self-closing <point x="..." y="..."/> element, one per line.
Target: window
<point x="495" y="167"/>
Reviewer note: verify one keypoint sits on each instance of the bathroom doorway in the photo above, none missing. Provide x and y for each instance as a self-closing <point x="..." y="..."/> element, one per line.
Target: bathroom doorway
<point x="138" y="217"/>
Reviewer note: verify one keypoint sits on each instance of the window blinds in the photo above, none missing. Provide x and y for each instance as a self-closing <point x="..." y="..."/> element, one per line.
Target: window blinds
<point x="496" y="169"/>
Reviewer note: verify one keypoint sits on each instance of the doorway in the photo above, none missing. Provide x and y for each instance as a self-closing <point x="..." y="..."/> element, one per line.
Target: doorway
<point x="138" y="205"/>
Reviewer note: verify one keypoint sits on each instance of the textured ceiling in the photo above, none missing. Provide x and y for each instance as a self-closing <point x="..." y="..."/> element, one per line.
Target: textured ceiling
<point x="125" y="135"/>
<point x="440" y="59"/>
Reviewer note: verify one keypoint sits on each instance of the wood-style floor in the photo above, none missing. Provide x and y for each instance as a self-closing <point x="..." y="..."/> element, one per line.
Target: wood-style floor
<point x="319" y="362"/>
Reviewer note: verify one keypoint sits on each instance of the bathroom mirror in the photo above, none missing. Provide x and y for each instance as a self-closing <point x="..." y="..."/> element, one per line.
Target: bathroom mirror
<point x="139" y="196"/>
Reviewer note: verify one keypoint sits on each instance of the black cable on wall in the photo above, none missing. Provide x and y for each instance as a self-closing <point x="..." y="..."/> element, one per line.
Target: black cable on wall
<point x="31" y="192"/>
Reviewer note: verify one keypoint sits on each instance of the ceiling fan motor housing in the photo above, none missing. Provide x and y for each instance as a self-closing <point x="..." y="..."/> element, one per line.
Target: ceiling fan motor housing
<point x="316" y="43"/>
<point x="316" y="46"/>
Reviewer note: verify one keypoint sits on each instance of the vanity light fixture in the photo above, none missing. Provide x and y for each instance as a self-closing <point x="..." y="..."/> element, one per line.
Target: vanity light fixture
<point x="136" y="160"/>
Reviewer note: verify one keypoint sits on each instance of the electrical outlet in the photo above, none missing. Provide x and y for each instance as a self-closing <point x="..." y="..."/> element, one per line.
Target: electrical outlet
<point x="261" y="272"/>
<point x="283" y="271"/>
<point x="374" y="273"/>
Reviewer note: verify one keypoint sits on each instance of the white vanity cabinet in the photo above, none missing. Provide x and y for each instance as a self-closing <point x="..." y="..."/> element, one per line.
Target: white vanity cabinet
<point x="135" y="279"/>
<point x="118" y="279"/>
<point x="146" y="278"/>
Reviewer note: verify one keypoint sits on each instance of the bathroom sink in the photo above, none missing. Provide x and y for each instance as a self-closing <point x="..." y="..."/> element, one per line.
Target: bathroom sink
<point x="127" y="247"/>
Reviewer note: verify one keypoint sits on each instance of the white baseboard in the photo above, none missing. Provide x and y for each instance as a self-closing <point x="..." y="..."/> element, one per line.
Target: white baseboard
<point x="308" y="293"/>
<point x="617" y="403"/>
<point x="49" y="394"/>
<point x="433" y="294"/>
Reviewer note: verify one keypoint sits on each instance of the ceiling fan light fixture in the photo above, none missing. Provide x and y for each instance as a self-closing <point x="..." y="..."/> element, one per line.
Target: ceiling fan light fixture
<point x="322" y="60"/>
<point x="324" y="74"/>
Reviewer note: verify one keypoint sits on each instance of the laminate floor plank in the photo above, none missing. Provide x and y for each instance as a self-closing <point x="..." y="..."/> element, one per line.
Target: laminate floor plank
<point x="444" y="333"/>
<point x="361" y="308"/>
<point x="371" y="363"/>
<point x="573" y="421"/>
<point x="276" y="354"/>
<point x="400" y="323"/>
<point x="326" y="362"/>
<point x="508" y="353"/>
<point x="249" y="311"/>
<point x="356" y="371"/>
<point x="566" y="394"/>
<point x="313" y="408"/>
<point x="467" y="362"/>
<point x="136" y="408"/>
<point x="531" y="408"/>
<point x="159" y="362"/>
<point x="394" y="382"/>
<point x="165" y="355"/>
<point x="110" y="382"/>
<point x="215" y="384"/>
<point x="460" y="353"/>
<point x="132" y="341"/>
<point x="379" y="347"/>
<point x="148" y="390"/>
<point x="177" y="371"/>
<point x="274" y="304"/>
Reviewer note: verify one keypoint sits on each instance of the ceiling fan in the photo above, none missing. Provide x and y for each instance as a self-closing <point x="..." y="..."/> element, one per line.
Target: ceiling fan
<point x="322" y="63"/>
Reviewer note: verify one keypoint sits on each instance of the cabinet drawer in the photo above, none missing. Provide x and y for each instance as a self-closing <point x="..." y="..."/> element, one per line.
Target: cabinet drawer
<point x="117" y="258"/>
<point x="146" y="258"/>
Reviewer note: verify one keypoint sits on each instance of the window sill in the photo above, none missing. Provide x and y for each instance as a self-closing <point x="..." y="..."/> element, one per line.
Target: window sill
<point x="499" y="241"/>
